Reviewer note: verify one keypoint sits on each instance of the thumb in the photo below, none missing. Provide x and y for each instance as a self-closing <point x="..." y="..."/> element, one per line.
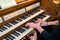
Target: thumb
<point x="30" y="37"/>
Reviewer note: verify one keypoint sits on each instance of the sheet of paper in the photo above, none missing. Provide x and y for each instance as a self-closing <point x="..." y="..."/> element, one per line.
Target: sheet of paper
<point x="7" y="3"/>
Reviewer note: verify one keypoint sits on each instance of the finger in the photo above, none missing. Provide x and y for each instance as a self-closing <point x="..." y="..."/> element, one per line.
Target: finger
<point x="35" y="33"/>
<point x="28" y="24"/>
<point x="36" y="21"/>
<point x="39" y="20"/>
<point x="30" y="37"/>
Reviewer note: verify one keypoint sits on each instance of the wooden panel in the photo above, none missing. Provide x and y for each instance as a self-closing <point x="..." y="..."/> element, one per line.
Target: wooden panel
<point x="5" y="22"/>
<point x="19" y="1"/>
<point x="46" y="4"/>
<point x="2" y="12"/>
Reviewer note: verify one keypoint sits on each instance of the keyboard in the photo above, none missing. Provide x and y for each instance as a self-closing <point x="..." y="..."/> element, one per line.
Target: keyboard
<point x="19" y="34"/>
<point x="14" y="24"/>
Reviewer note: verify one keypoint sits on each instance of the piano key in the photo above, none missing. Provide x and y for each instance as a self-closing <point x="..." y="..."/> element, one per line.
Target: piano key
<point x="21" y="30"/>
<point x="4" y="27"/>
<point x="16" y="34"/>
<point x="28" y="15"/>
<point x="6" y="38"/>
<point x="43" y="15"/>
<point x="8" y="25"/>
<point x="19" y="20"/>
<point x="40" y="17"/>
<point x="31" y="13"/>
<point x="26" y="27"/>
<point x="23" y="17"/>
<point x="10" y="37"/>
<point x="1" y="30"/>
<point x="23" y="34"/>
<point x="35" y="11"/>
<point x="35" y="19"/>
<point x="14" y="22"/>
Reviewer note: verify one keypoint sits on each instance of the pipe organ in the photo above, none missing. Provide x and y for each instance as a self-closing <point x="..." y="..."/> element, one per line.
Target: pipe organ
<point x="13" y="19"/>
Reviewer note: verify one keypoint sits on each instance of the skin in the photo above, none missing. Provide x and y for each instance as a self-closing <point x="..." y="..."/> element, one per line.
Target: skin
<point x="37" y="25"/>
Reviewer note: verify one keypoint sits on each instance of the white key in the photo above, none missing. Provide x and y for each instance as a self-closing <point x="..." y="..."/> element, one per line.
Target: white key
<point x="17" y="20"/>
<point x="47" y="16"/>
<point x="24" y="34"/>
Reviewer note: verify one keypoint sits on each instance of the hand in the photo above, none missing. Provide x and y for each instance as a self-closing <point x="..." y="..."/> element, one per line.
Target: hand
<point x="33" y="37"/>
<point x="36" y="26"/>
<point x="43" y="22"/>
<point x="33" y="25"/>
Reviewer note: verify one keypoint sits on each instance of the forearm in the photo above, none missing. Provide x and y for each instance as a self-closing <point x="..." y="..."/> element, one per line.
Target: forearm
<point x="45" y="34"/>
<point x="40" y="29"/>
<point x="53" y="23"/>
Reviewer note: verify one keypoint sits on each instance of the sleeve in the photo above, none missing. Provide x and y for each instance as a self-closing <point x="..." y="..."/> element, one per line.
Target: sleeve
<point x="53" y="35"/>
<point x="47" y="36"/>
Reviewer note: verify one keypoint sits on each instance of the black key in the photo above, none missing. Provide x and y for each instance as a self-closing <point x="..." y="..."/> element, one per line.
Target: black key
<point x="14" y="22"/>
<point x="19" y="20"/>
<point x="26" y="27"/>
<point x="24" y="17"/>
<point x="34" y="11"/>
<point x="4" y="27"/>
<point x="35" y="19"/>
<point x="7" y="38"/>
<point x="16" y="34"/>
<point x="8" y="25"/>
<point x="1" y="30"/>
<point x="28" y="15"/>
<point x="37" y="10"/>
<point x="21" y="30"/>
<point x="41" y="17"/>
<point x="12" y="36"/>
<point x="31" y="13"/>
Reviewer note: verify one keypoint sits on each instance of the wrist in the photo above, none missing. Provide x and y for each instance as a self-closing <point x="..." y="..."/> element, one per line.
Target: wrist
<point x="40" y="29"/>
<point x="34" y="39"/>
